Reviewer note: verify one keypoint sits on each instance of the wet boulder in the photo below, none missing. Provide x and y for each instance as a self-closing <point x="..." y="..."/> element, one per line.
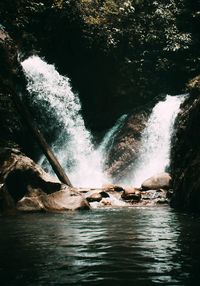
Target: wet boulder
<point x="93" y="197"/>
<point x="104" y="194"/>
<point x="132" y="194"/>
<point x="19" y="173"/>
<point x="96" y="195"/>
<point x="64" y="200"/>
<point x="159" y="181"/>
<point x="105" y="197"/>
<point x="112" y="188"/>
<point x="31" y="188"/>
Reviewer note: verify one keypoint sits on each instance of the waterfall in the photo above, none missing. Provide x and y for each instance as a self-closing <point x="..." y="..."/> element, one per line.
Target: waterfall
<point x="154" y="153"/>
<point x="73" y="147"/>
<point x="108" y="139"/>
<point x="84" y="163"/>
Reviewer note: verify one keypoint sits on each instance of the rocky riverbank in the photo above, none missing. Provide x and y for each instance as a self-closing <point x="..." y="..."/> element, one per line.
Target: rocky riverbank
<point x="118" y="65"/>
<point x="26" y="187"/>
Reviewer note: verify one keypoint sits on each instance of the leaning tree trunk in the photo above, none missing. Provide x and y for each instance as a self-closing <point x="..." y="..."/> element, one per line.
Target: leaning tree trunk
<point x="25" y="114"/>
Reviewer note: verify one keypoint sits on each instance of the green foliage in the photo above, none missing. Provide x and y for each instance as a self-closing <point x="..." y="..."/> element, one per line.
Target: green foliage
<point x="58" y="3"/>
<point x="143" y="23"/>
<point x="121" y="51"/>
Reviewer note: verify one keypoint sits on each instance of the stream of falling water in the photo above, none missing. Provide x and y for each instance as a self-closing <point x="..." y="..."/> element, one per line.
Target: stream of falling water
<point x="83" y="162"/>
<point x="74" y="146"/>
<point x="154" y="153"/>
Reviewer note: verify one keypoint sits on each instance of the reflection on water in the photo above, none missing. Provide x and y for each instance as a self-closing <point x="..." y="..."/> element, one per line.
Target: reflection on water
<point x="137" y="246"/>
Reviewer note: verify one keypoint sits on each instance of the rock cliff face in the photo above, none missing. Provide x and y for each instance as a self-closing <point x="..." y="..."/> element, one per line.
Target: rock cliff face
<point x="11" y="80"/>
<point x="125" y="146"/>
<point x="186" y="152"/>
<point x="13" y="131"/>
<point x="25" y="186"/>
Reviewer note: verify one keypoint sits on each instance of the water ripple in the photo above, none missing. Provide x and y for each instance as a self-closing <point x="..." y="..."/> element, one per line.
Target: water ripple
<point x="142" y="246"/>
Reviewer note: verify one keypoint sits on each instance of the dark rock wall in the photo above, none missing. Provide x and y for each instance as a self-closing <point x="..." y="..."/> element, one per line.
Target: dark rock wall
<point x="9" y="75"/>
<point x="123" y="152"/>
<point x="12" y="81"/>
<point x="125" y="145"/>
<point x="186" y="152"/>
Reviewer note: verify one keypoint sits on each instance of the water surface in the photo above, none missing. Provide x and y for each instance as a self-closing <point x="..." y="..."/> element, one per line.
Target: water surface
<point x="136" y="246"/>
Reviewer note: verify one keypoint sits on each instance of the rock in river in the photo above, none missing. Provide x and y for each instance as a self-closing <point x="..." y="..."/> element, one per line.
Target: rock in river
<point x="132" y="194"/>
<point x="31" y="188"/>
<point x="159" y="181"/>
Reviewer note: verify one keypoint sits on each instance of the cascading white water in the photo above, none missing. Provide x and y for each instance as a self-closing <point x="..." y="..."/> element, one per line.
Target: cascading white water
<point x="154" y="154"/>
<point x="73" y="147"/>
<point x="110" y="135"/>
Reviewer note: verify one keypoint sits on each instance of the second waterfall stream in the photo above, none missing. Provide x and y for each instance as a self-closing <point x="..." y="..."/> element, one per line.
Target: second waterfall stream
<point x="154" y="153"/>
<point x="84" y="162"/>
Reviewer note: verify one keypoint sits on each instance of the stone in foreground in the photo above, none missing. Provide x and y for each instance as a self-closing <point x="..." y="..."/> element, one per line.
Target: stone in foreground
<point x="31" y="188"/>
<point x="64" y="200"/>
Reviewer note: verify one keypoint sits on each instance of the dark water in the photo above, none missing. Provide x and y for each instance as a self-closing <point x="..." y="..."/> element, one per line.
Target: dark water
<point x="141" y="246"/>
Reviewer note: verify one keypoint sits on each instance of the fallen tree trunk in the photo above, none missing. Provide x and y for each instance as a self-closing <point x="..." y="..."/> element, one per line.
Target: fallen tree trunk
<point x="25" y="114"/>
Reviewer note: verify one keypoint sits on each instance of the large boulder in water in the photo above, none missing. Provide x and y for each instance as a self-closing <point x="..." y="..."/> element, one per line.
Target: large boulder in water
<point x="159" y="181"/>
<point x="131" y="194"/>
<point x="31" y="188"/>
<point x="93" y="196"/>
<point x="18" y="173"/>
<point x="64" y="200"/>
